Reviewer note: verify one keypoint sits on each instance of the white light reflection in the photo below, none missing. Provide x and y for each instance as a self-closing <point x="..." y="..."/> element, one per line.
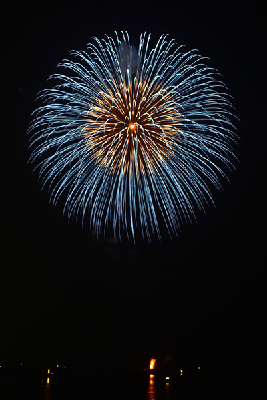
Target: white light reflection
<point x="167" y="394"/>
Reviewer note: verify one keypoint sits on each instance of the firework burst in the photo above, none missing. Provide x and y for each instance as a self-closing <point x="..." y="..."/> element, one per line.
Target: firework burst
<point x="131" y="137"/>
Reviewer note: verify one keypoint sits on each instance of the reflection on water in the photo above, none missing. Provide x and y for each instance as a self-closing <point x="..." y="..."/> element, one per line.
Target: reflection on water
<point x="167" y="397"/>
<point x="84" y="386"/>
<point x="155" y="387"/>
<point x="151" y="388"/>
<point x="152" y="392"/>
<point x="47" y="389"/>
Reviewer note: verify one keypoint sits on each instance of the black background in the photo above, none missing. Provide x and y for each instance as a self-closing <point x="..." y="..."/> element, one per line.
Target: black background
<point x="70" y="300"/>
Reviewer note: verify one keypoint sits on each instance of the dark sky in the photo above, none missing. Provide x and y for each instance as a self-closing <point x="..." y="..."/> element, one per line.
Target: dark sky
<point x="68" y="299"/>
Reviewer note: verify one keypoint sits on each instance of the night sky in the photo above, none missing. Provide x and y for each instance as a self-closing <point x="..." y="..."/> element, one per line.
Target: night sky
<point x="71" y="300"/>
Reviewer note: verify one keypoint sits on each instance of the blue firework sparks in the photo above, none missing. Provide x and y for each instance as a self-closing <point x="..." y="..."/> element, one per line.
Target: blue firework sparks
<point x="131" y="137"/>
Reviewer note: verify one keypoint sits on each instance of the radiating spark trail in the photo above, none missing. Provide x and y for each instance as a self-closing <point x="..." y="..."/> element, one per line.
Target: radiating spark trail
<point x="130" y="136"/>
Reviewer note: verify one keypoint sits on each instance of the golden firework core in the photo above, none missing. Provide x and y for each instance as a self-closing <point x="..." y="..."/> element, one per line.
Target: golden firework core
<point x="136" y="126"/>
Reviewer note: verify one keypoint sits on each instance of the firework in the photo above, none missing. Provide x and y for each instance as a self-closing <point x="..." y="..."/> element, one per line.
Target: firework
<point x="134" y="138"/>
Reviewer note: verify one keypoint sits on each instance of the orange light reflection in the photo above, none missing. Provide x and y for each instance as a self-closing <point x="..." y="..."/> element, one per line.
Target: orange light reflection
<point x="151" y="392"/>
